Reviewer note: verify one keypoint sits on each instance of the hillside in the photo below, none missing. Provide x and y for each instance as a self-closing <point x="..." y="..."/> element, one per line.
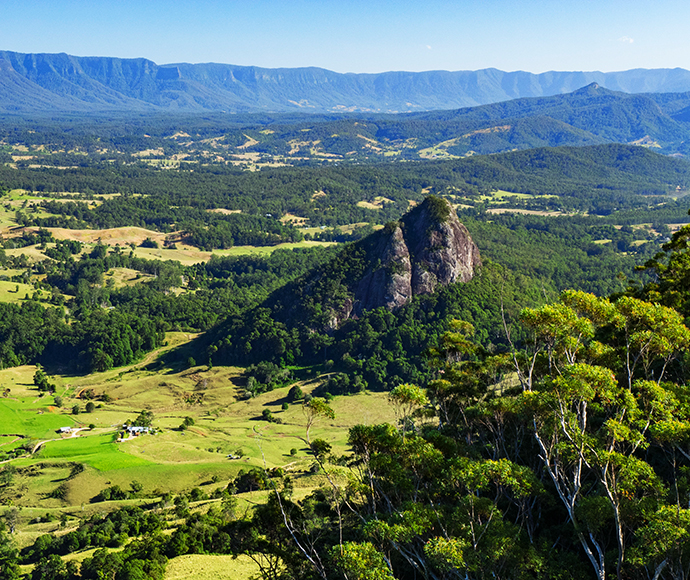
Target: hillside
<point x="590" y="115"/>
<point x="31" y="83"/>
<point x="427" y="249"/>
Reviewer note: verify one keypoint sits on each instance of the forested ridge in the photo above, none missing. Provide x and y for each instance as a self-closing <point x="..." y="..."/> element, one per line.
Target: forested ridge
<point x="46" y="84"/>
<point x="521" y="111"/>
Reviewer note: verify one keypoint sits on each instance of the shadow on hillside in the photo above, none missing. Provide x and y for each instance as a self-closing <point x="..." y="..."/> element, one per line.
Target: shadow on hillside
<point x="179" y="358"/>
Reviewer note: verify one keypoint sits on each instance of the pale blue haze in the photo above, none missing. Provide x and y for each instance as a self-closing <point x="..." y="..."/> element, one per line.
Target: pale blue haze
<point x="360" y="36"/>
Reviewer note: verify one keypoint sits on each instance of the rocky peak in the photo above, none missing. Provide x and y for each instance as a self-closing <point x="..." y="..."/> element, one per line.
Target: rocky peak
<point x="428" y="248"/>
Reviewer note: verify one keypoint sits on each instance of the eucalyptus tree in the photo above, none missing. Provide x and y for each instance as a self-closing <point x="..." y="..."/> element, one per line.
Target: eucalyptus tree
<point x="593" y="382"/>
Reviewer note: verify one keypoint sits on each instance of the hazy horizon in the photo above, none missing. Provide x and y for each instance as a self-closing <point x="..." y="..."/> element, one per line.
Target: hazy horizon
<point x="360" y="37"/>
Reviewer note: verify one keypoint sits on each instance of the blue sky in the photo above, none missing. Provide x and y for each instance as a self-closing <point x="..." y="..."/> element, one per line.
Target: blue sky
<point x="361" y="36"/>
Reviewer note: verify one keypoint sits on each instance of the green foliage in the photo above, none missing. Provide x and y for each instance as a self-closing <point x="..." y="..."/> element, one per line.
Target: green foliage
<point x="149" y="243"/>
<point x="143" y="419"/>
<point x="438" y="208"/>
<point x="314" y="409"/>
<point x="253" y="480"/>
<point x="186" y="423"/>
<point x="407" y="400"/>
<point x="320" y="448"/>
<point x="9" y="566"/>
<point x="361" y="561"/>
<point x="267" y="415"/>
<point x="41" y="381"/>
<point x="112" y="493"/>
<point x="295" y="394"/>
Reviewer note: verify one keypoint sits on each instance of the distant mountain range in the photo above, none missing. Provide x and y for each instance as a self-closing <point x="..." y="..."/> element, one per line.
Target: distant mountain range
<point x="50" y="83"/>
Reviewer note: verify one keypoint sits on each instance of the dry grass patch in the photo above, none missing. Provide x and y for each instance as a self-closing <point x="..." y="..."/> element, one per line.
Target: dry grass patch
<point x="499" y="210"/>
<point x="205" y="567"/>
<point x="112" y="236"/>
<point x="248" y="156"/>
<point x="265" y="250"/>
<point x="224" y="210"/>
<point x="149" y="152"/>
<point x="127" y="277"/>
<point x="289" y="218"/>
<point x="186" y="255"/>
<point x="249" y="143"/>
<point x="32" y="253"/>
<point x="376" y="204"/>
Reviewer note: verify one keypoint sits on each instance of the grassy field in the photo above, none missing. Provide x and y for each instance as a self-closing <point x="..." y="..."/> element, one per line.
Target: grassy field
<point x="122" y="237"/>
<point x="17" y="292"/>
<point x="201" y="567"/>
<point x="189" y="255"/>
<point x="169" y="461"/>
<point x="172" y="459"/>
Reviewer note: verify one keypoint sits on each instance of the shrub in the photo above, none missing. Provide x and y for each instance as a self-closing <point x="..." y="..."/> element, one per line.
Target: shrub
<point x="149" y="243"/>
<point x="186" y="423"/>
<point x="60" y="492"/>
<point x="268" y="416"/>
<point x="295" y="394"/>
<point x="112" y="493"/>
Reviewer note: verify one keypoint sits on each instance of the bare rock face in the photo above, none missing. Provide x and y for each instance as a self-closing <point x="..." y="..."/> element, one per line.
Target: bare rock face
<point x="428" y="248"/>
<point x="389" y="284"/>
<point x="442" y="249"/>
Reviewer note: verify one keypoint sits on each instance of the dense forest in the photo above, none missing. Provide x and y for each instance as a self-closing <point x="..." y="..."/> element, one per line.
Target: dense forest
<point x="528" y="259"/>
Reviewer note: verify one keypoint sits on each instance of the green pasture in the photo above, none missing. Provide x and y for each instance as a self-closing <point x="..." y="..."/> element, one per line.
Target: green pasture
<point x="171" y="460"/>
<point x="30" y="418"/>
<point x="15" y="292"/>
<point x="99" y="451"/>
<point x="7" y="216"/>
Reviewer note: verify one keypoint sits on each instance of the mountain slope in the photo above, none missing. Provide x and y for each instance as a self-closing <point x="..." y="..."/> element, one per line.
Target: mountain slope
<point x="428" y="249"/>
<point x="110" y="84"/>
